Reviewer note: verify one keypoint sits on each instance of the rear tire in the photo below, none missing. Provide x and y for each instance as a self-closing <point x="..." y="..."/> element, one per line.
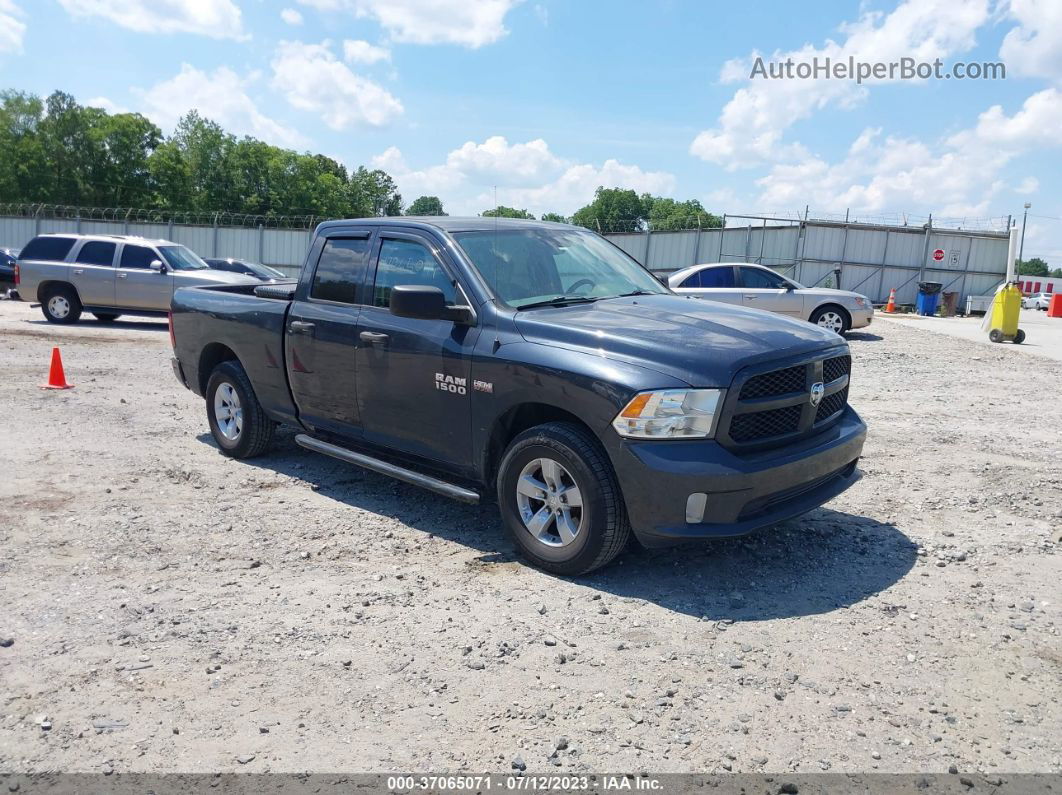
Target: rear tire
<point x="996" y="335"/>
<point x="1019" y="338"/>
<point x="105" y="317"/>
<point x="238" y="423"/>
<point x="832" y="317"/>
<point x="60" y="304"/>
<point x="560" y="501"/>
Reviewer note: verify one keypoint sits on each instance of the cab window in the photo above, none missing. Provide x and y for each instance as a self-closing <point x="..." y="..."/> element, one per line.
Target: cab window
<point x="139" y="257"/>
<point x="717" y="277"/>
<point x="408" y="262"/>
<point x="340" y="269"/>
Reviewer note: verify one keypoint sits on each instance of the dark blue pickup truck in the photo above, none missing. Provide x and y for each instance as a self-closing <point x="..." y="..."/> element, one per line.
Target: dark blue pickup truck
<point x="536" y="362"/>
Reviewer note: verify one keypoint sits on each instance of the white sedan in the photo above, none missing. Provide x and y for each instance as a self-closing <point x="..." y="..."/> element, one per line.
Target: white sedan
<point x="762" y="288"/>
<point x="1036" y="301"/>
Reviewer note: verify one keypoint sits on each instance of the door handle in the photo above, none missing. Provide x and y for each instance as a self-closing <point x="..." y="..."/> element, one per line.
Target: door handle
<point x="373" y="337"/>
<point x="750" y="298"/>
<point x="300" y="327"/>
<point x="78" y="271"/>
<point x="123" y="275"/>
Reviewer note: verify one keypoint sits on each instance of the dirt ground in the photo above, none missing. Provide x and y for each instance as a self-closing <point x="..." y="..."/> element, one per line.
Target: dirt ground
<point x="173" y="610"/>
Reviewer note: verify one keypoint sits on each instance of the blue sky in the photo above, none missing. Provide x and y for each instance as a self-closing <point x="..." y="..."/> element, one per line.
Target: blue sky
<point x="544" y="100"/>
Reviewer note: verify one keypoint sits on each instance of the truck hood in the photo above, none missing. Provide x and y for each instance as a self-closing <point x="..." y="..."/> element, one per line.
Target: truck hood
<point x="703" y="343"/>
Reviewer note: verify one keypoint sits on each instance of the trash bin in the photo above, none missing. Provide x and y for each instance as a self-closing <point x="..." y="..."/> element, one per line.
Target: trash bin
<point x="951" y="304"/>
<point x="1003" y="319"/>
<point x="928" y="297"/>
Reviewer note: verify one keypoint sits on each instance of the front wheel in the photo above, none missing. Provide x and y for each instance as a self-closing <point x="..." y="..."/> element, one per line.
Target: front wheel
<point x="833" y="318"/>
<point x="560" y="501"/>
<point x="238" y="422"/>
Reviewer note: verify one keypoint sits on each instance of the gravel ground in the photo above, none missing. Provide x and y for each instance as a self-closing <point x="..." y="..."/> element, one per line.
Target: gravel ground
<point x="169" y="609"/>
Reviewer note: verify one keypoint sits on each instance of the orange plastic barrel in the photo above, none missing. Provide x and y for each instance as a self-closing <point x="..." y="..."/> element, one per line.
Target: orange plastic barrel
<point x="1054" y="309"/>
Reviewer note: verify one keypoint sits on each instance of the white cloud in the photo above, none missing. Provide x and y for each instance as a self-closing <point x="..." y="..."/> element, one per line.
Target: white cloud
<point x="219" y="19"/>
<point x="1027" y="185"/>
<point x="291" y="16"/>
<point x="464" y="22"/>
<point x="1034" y="48"/>
<point x="221" y="96"/>
<point x="12" y="28"/>
<point x="311" y="78"/>
<point x="527" y="175"/>
<point x="750" y="130"/>
<point x="357" y="51"/>
<point x="106" y="104"/>
<point x="959" y="176"/>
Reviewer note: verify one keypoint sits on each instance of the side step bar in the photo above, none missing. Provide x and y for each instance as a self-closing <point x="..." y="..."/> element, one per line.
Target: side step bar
<point x="398" y="473"/>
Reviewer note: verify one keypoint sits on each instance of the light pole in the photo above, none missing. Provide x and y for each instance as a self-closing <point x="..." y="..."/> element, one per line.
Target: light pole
<point x="1021" y="245"/>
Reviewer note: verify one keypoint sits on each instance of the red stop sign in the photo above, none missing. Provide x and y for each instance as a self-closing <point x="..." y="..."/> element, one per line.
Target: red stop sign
<point x="938" y="255"/>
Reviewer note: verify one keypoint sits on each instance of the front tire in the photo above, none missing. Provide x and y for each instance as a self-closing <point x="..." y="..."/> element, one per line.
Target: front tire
<point x="560" y="501"/>
<point x="61" y="304"/>
<point x="238" y="422"/>
<point x="832" y="317"/>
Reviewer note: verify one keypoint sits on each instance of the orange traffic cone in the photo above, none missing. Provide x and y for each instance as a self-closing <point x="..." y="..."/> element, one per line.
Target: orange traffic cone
<point x="56" y="376"/>
<point x="890" y="308"/>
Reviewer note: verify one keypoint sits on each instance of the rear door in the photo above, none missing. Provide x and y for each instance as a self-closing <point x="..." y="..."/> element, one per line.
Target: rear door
<point x="414" y="382"/>
<point x="92" y="272"/>
<point x="717" y="283"/>
<point x="136" y="285"/>
<point x="765" y="289"/>
<point x="320" y="339"/>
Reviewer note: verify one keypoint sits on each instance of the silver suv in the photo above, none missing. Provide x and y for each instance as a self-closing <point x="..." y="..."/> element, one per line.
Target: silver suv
<point x="109" y="275"/>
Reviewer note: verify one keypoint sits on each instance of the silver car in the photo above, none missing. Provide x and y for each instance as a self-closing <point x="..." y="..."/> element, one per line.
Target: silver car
<point x="762" y="288"/>
<point x="1036" y="301"/>
<point x="109" y="275"/>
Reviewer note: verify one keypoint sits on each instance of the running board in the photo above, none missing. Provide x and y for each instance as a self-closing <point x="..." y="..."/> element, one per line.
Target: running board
<point x="398" y="473"/>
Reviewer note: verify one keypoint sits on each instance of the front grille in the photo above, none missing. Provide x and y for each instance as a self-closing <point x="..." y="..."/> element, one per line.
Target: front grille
<point x="834" y="368"/>
<point x="831" y="404"/>
<point x="770" y="408"/>
<point x="776" y="382"/>
<point x="765" y="424"/>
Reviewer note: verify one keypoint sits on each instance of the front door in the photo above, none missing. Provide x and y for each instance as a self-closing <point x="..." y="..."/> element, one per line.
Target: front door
<point x="321" y="336"/>
<point x="716" y="283"/>
<point x="92" y="273"/>
<point x="136" y="285"/>
<point x="765" y="289"/>
<point x="414" y="376"/>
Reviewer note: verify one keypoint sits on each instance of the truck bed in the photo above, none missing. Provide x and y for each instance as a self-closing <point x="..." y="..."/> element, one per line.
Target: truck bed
<point x="246" y="320"/>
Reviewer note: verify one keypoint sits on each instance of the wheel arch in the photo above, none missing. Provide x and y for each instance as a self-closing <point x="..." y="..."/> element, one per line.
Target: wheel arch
<point x="45" y="286"/>
<point x="517" y="419"/>
<point x="211" y="356"/>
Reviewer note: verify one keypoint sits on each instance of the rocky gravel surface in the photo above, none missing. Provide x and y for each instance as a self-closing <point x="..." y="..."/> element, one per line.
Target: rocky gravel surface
<point x="166" y="608"/>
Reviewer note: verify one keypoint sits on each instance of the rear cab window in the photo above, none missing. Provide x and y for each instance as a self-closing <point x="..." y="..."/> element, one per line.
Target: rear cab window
<point x="340" y="269"/>
<point x="48" y="248"/>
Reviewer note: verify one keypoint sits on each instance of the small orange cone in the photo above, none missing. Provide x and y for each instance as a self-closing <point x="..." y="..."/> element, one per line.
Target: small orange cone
<point x="890" y="308"/>
<point x="56" y="376"/>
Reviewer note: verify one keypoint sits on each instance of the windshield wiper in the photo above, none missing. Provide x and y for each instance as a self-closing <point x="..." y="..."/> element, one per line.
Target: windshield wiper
<point x="561" y="300"/>
<point x="637" y="292"/>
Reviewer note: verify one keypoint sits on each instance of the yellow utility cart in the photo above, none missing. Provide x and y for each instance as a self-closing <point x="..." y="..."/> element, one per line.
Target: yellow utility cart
<point x="1006" y="309"/>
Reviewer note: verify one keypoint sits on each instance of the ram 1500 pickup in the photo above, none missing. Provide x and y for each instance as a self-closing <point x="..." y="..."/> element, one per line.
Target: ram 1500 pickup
<point x="536" y="362"/>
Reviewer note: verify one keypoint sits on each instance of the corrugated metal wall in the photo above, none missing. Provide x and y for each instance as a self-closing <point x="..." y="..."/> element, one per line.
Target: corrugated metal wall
<point x="873" y="259"/>
<point x="283" y="248"/>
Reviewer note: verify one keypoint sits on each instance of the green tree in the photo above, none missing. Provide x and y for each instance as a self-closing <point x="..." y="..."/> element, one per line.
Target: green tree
<point x="1032" y="267"/>
<point x="426" y="205"/>
<point x="614" y="210"/>
<point x="23" y="164"/>
<point x="1056" y="273"/>
<point x="555" y="217"/>
<point x="668" y="214"/>
<point x="374" y="193"/>
<point x="501" y="211"/>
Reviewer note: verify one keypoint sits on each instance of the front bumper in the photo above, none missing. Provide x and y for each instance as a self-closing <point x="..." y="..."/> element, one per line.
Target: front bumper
<point x="742" y="493"/>
<point x="862" y="317"/>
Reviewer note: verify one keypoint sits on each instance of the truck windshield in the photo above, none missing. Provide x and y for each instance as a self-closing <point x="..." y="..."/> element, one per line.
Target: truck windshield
<point x="551" y="267"/>
<point x="180" y="258"/>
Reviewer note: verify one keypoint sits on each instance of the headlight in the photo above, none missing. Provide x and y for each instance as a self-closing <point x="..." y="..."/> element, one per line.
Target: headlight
<point x="862" y="302"/>
<point x="670" y="414"/>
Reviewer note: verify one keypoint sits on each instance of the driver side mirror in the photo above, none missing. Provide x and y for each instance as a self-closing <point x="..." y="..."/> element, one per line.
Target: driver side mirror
<point x="426" y="303"/>
<point x="158" y="265"/>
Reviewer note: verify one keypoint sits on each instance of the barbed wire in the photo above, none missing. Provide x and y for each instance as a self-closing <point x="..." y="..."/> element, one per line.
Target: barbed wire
<point x="686" y="223"/>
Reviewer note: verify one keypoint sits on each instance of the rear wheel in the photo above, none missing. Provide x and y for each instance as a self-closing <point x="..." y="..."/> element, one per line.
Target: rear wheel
<point x="833" y="318"/>
<point x="1019" y="338"/>
<point x="60" y="304"/>
<point x="560" y="500"/>
<point x="237" y="421"/>
<point x="105" y="317"/>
